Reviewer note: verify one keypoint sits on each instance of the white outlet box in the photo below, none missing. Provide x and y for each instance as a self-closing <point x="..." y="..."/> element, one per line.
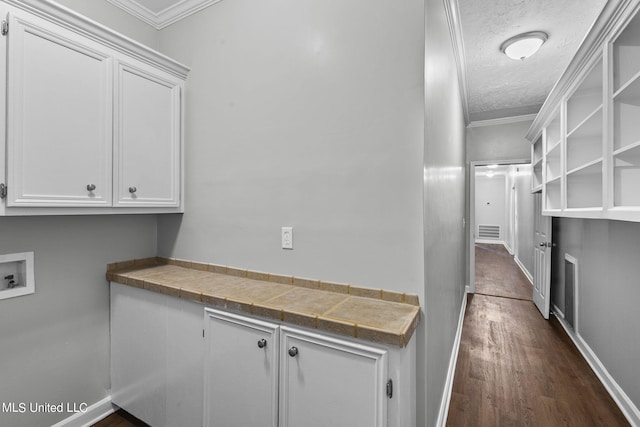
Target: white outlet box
<point x="16" y="275"/>
<point x="287" y="237"/>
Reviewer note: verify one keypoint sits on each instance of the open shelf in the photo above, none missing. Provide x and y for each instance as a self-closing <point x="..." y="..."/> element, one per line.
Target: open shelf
<point x="553" y="195"/>
<point x="626" y="54"/>
<point x="626" y="177"/>
<point x="536" y="153"/>
<point x="553" y="134"/>
<point x="554" y="167"/>
<point x="584" y="144"/>
<point x="584" y="187"/>
<point x="586" y="99"/>
<point x="626" y="110"/>
<point x="536" y="177"/>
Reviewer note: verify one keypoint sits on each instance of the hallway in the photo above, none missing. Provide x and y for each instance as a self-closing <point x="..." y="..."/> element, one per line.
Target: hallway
<point x="514" y="368"/>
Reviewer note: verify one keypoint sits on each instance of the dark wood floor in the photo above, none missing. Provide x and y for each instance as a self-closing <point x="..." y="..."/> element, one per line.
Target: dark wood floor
<point x="497" y="274"/>
<point x="516" y="369"/>
<point x="120" y="419"/>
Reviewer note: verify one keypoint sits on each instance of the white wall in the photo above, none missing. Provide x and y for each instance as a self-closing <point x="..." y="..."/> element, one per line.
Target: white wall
<point x="54" y="344"/>
<point x="305" y="114"/>
<point x="444" y="206"/>
<point x="491" y="202"/>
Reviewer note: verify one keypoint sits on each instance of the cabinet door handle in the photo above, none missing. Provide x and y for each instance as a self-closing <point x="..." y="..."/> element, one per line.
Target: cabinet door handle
<point x="262" y="343"/>
<point x="91" y="187"/>
<point x="293" y="351"/>
<point x="132" y="190"/>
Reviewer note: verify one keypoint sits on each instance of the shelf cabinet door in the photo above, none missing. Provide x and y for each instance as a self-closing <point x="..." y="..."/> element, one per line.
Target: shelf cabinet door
<point x="241" y="371"/>
<point x="59" y="110"/>
<point x="148" y="137"/>
<point x="326" y="381"/>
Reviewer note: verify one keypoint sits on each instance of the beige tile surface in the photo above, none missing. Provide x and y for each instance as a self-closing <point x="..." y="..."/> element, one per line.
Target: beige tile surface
<point x="373" y="315"/>
<point x="303" y="300"/>
<point x="378" y="314"/>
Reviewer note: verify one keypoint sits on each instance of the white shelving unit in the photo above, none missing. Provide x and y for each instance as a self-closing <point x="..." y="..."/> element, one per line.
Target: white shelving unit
<point x="537" y="161"/>
<point x="590" y="125"/>
<point x="553" y="168"/>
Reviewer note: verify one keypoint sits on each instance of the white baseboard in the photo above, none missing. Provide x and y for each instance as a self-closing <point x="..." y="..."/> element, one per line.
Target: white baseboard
<point x="524" y="269"/>
<point x="448" y="385"/>
<point x="490" y="242"/>
<point x="559" y="314"/>
<point x="630" y="411"/>
<point x="507" y="247"/>
<point x="92" y="415"/>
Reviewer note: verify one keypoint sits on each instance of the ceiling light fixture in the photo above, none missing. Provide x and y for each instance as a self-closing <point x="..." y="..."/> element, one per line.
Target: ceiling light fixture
<point x="524" y="45"/>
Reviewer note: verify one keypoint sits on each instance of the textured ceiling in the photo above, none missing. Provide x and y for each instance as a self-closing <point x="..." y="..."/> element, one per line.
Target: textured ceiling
<point x="501" y="87"/>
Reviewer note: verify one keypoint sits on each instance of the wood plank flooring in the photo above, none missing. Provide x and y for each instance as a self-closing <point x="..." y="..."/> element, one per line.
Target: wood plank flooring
<point x="497" y="274"/>
<point x="120" y="419"/>
<point x="516" y="369"/>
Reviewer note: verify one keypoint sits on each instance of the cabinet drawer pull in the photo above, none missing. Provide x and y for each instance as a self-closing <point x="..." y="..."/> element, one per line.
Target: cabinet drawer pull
<point x="293" y="351"/>
<point x="91" y="187"/>
<point x="132" y="190"/>
<point x="262" y="343"/>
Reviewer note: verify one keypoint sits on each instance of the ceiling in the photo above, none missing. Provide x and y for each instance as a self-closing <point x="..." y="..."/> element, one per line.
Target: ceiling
<point x="499" y="87"/>
<point x="496" y="86"/>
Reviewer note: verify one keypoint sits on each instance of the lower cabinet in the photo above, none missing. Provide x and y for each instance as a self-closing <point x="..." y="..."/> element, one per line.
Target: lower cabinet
<point x="156" y="357"/>
<point x="240" y="371"/>
<point x="322" y="381"/>
<point x="169" y="369"/>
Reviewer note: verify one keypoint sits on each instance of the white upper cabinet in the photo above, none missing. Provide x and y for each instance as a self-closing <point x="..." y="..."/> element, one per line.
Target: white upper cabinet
<point x="147" y="149"/>
<point x="590" y="123"/>
<point x="59" y="117"/>
<point x="93" y="120"/>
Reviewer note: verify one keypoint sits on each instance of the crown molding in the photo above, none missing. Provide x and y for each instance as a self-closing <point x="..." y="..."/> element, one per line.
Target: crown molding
<point x="502" y="121"/>
<point x="93" y="30"/>
<point x="455" y="32"/>
<point x="165" y="17"/>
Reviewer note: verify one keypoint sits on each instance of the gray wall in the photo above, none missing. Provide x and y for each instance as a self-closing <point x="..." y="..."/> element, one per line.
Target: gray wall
<point x="498" y="142"/>
<point x="608" y="254"/>
<point x="444" y="206"/>
<point x="312" y="115"/>
<point x="54" y="344"/>
<point x="525" y="215"/>
<point x="305" y="114"/>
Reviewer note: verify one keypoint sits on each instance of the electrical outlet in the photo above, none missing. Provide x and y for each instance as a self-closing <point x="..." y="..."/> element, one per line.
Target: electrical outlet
<point x="287" y="237"/>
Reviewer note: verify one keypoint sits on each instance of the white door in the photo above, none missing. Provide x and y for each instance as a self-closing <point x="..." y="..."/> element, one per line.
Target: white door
<point x="330" y="382"/>
<point x="241" y="371"/>
<point x="147" y="142"/>
<point x="542" y="258"/>
<point x="59" y="111"/>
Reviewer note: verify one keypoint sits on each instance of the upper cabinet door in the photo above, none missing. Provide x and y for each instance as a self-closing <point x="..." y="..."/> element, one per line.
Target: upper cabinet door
<point x="147" y="145"/>
<point x="59" y="112"/>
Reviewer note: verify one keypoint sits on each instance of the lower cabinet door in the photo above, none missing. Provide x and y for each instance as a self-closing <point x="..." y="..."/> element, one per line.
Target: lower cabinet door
<point x="330" y="382"/>
<point x="241" y="371"/>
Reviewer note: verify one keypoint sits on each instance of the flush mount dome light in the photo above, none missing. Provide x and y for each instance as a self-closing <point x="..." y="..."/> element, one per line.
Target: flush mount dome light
<point x="524" y="45"/>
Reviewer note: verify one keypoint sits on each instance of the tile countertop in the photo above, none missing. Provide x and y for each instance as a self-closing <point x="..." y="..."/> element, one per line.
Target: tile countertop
<point x="369" y="314"/>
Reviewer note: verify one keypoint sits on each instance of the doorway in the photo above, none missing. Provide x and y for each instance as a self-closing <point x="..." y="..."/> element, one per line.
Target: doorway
<point x="501" y="223"/>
